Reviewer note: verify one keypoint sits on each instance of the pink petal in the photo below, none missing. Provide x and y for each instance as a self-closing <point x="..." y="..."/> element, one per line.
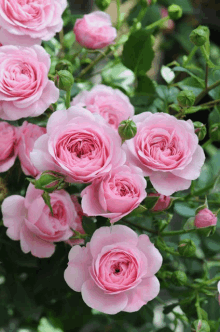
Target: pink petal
<point x="109" y="235"/>
<point x="95" y="298"/>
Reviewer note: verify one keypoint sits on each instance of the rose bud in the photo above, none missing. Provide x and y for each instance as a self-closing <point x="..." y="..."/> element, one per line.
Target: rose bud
<point x="169" y="25"/>
<point x="64" y="65"/>
<point x="179" y="278"/>
<point x="186" y="98"/>
<point x="127" y="129"/>
<point x="64" y="80"/>
<point x="199" y="36"/>
<point x="205" y="218"/>
<point x="201" y="326"/>
<point x="187" y="248"/>
<point x="162" y="203"/>
<point x="50" y="181"/>
<point x="95" y="30"/>
<point x="200" y="130"/>
<point x="175" y="12"/>
<point x="102" y="4"/>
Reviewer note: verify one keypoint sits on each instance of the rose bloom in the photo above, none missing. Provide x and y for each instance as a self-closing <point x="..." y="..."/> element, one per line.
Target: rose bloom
<point x="115" y="195"/>
<point x="115" y="271"/>
<point x="111" y="104"/>
<point x="29" y="220"/>
<point x="205" y="218"/>
<point x="167" y="151"/>
<point x="95" y="30"/>
<point x="78" y="144"/>
<point x="24" y="86"/>
<point x="28" y="22"/>
<point x="162" y="203"/>
<point x="28" y="135"/>
<point x="8" y="146"/>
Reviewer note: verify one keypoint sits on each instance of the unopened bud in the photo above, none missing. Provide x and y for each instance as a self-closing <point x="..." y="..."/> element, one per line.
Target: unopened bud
<point x="187" y="248"/>
<point x="179" y="278"/>
<point x="127" y="129"/>
<point x="102" y="4"/>
<point x="201" y="326"/>
<point x="50" y="181"/>
<point x="199" y="36"/>
<point x="200" y="130"/>
<point x="162" y="203"/>
<point x="186" y="98"/>
<point x="175" y="12"/>
<point x="64" y="80"/>
<point x="64" y="65"/>
<point x="205" y="218"/>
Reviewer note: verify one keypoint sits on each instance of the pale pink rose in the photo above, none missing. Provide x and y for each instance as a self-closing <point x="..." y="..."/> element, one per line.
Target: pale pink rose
<point x="27" y="22"/>
<point x="28" y="135"/>
<point x="219" y="292"/>
<point x="169" y="25"/>
<point x="29" y="220"/>
<point x="95" y="30"/>
<point x="205" y="218"/>
<point x="162" y="203"/>
<point x="115" y="271"/>
<point x="8" y="146"/>
<point x="167" y="151"/>
<point x="78" y="144"/>
<point x="111" y="104"/>
<point x="115" y="195"/>
<point x="24" y="86"/>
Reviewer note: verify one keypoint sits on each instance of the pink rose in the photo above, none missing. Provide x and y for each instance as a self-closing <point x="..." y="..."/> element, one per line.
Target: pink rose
<point x="169" y="25"/>
<point x="28" y="135"/>
<point x="28" y="22"/>
<point x="167" y="151"/>
<point x="115" y="195"/>
<point x="115" y="271"/>
<point x="29" y="220"/>
<point x="162" y="203"/>
<point x="205" y="218"/>
<point x="8" y="146"/>
<point x="111" y="104"/>
<point x="95" y="30"/>
<point x="24" y="86"/>
<point x="78" y="144"/>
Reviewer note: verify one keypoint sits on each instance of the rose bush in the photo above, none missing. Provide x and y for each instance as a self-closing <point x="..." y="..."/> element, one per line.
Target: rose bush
<point x="78" y="144"/>
<point x="30" y="220"/>
<point x="116" y="270"/>
<point x="29" y="22"/>
<point x="111" y="104"/>
<point x="167" y="151"/>
<point x="24" y="86"/>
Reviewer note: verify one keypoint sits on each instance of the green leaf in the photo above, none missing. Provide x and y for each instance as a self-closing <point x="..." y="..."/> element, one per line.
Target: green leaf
<point x="138" y="53"/>
<point x="167" y="74"/>
<point x="89" y="225"/>
<point x="190" y="83"/>
<point x="214" y="125"/>
<point x="169" y="308"/>
<point x="69" y="39"/>
<point x="145" y="85"/>
<point x="139" y="210"/>
<point x="46" y="326"/>
<point x="184" y="210"/>
<point x="185" y="70"/>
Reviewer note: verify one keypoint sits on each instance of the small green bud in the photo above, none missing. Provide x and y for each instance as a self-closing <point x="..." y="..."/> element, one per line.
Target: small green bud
<point x="186" y="98"/>
<point x="200" y="130"/>
<point x="199" y="36"/>
<point x="179" y="278"/>
<point x="175" y="12"/>
<point x="102" y="4"/>
<point x="50" y="181"/>
<point x="64" y="65"/>
<point x="187" y="248"/>
<point x="64" y="80"/>
<point x="201" y="326"/>
<point x="3" y="190"/>
<point x="127" y="129"/>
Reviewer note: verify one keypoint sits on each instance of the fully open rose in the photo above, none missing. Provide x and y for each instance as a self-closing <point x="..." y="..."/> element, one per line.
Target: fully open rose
<point x="95" y="30"/>
<point x="28" y="133"/>
<point x="24" y="86"/>
<point x="28" y="22"/>
<point x="110" y="103"/>
<point x="29" y="220"/>
<point x="8" y="146"/>
<point x="167" y="151"/>
<point x="115" y="271"/>
<point x="78" y="144"/>
<point x="115" y="195"/>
